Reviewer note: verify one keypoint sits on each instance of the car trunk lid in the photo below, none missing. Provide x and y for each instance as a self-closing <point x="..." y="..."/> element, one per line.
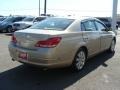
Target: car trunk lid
<point x="28" y="38"/>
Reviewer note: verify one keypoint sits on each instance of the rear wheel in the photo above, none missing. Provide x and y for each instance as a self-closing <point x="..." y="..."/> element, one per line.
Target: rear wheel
<point x="9" y="29"/>
<point x="79" y="60"/>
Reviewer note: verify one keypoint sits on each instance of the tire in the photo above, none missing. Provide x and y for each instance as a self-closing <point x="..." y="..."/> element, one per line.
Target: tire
<point x="79" y="60"/>
<point x="112" y="47"/>
<point x="9" y="29"/>
<point x="117" y="27"/>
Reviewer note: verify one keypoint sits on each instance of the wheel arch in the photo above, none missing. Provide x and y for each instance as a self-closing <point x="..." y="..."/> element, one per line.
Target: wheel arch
<point x="73" y="66"/>
<point x="85" y="49"/>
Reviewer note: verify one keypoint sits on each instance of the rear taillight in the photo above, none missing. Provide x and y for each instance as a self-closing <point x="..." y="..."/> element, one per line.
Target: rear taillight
<point x="49" y="43"/>
<point x="13" y="39"/>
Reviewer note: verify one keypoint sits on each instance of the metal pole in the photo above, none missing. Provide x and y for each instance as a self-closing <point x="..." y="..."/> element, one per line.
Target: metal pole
<point x="114" y="15"/>
<point x="45" y="4"/>
<point x="39" y="7"/>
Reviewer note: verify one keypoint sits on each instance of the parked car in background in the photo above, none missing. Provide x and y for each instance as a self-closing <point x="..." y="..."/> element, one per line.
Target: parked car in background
<point x="2" y="18"/>
<point x="107" y="21"/>
<point x="61" y="41"/>
<point x="27" y="22"/>
<point x="6" y="25"/>
<point x="118" y="22"/>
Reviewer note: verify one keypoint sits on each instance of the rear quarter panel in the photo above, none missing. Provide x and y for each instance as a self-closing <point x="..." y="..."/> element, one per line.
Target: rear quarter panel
<point x="68" y="46"/>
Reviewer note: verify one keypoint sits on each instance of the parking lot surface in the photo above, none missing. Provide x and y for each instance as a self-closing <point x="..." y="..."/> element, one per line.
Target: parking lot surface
<point x="100" y="73"/>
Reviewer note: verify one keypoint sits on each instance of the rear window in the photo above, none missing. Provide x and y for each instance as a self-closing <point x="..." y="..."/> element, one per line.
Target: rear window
<point x="53" y="24"/>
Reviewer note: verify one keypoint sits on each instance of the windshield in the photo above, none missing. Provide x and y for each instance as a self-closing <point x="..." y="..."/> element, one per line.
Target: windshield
<point x="2" y="18"/>
<point x="29" y="19"/>
<point x="53" y="24"/>
<point x="9" y="19"/>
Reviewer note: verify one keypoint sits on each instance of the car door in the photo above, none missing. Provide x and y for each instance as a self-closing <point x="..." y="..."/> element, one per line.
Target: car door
<point x="105" y="36"/>
<point x="91" y="36"/>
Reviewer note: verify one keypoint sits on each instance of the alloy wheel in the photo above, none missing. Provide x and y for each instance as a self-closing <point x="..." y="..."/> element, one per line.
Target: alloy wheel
<point x="80" y="60"/>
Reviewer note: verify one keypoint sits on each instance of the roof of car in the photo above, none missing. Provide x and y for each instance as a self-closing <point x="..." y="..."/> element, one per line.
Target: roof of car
<point x="41" y="17"/>
<point x="75" y="17"/>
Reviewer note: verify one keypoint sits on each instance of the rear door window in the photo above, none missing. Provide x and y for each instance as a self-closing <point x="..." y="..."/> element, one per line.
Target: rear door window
<point x="89" y="25"/>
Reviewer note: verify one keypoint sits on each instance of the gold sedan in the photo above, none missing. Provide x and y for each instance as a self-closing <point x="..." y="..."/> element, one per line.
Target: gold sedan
<point x="61" y="42"/>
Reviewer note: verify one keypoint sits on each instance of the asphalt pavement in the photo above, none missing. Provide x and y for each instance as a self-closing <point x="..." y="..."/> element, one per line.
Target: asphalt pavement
<point x="100" y="73"/>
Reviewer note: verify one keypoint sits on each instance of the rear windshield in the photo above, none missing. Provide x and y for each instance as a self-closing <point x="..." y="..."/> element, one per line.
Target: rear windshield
<point x="53" y="24"/>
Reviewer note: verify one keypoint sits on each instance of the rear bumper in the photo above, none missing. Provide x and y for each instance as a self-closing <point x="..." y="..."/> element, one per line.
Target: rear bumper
<point x="36" y="57"/>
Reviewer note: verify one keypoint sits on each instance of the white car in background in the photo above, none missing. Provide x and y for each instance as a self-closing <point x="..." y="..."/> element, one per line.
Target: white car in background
<point x="27" y="22"/>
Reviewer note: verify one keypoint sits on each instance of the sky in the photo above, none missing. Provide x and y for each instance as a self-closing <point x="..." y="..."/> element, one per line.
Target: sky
<point x="58" y="7"/>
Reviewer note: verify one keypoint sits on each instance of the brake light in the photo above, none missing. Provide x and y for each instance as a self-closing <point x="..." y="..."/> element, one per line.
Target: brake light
<point x="49" y="43"/>
<point x="13" y="39"/>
